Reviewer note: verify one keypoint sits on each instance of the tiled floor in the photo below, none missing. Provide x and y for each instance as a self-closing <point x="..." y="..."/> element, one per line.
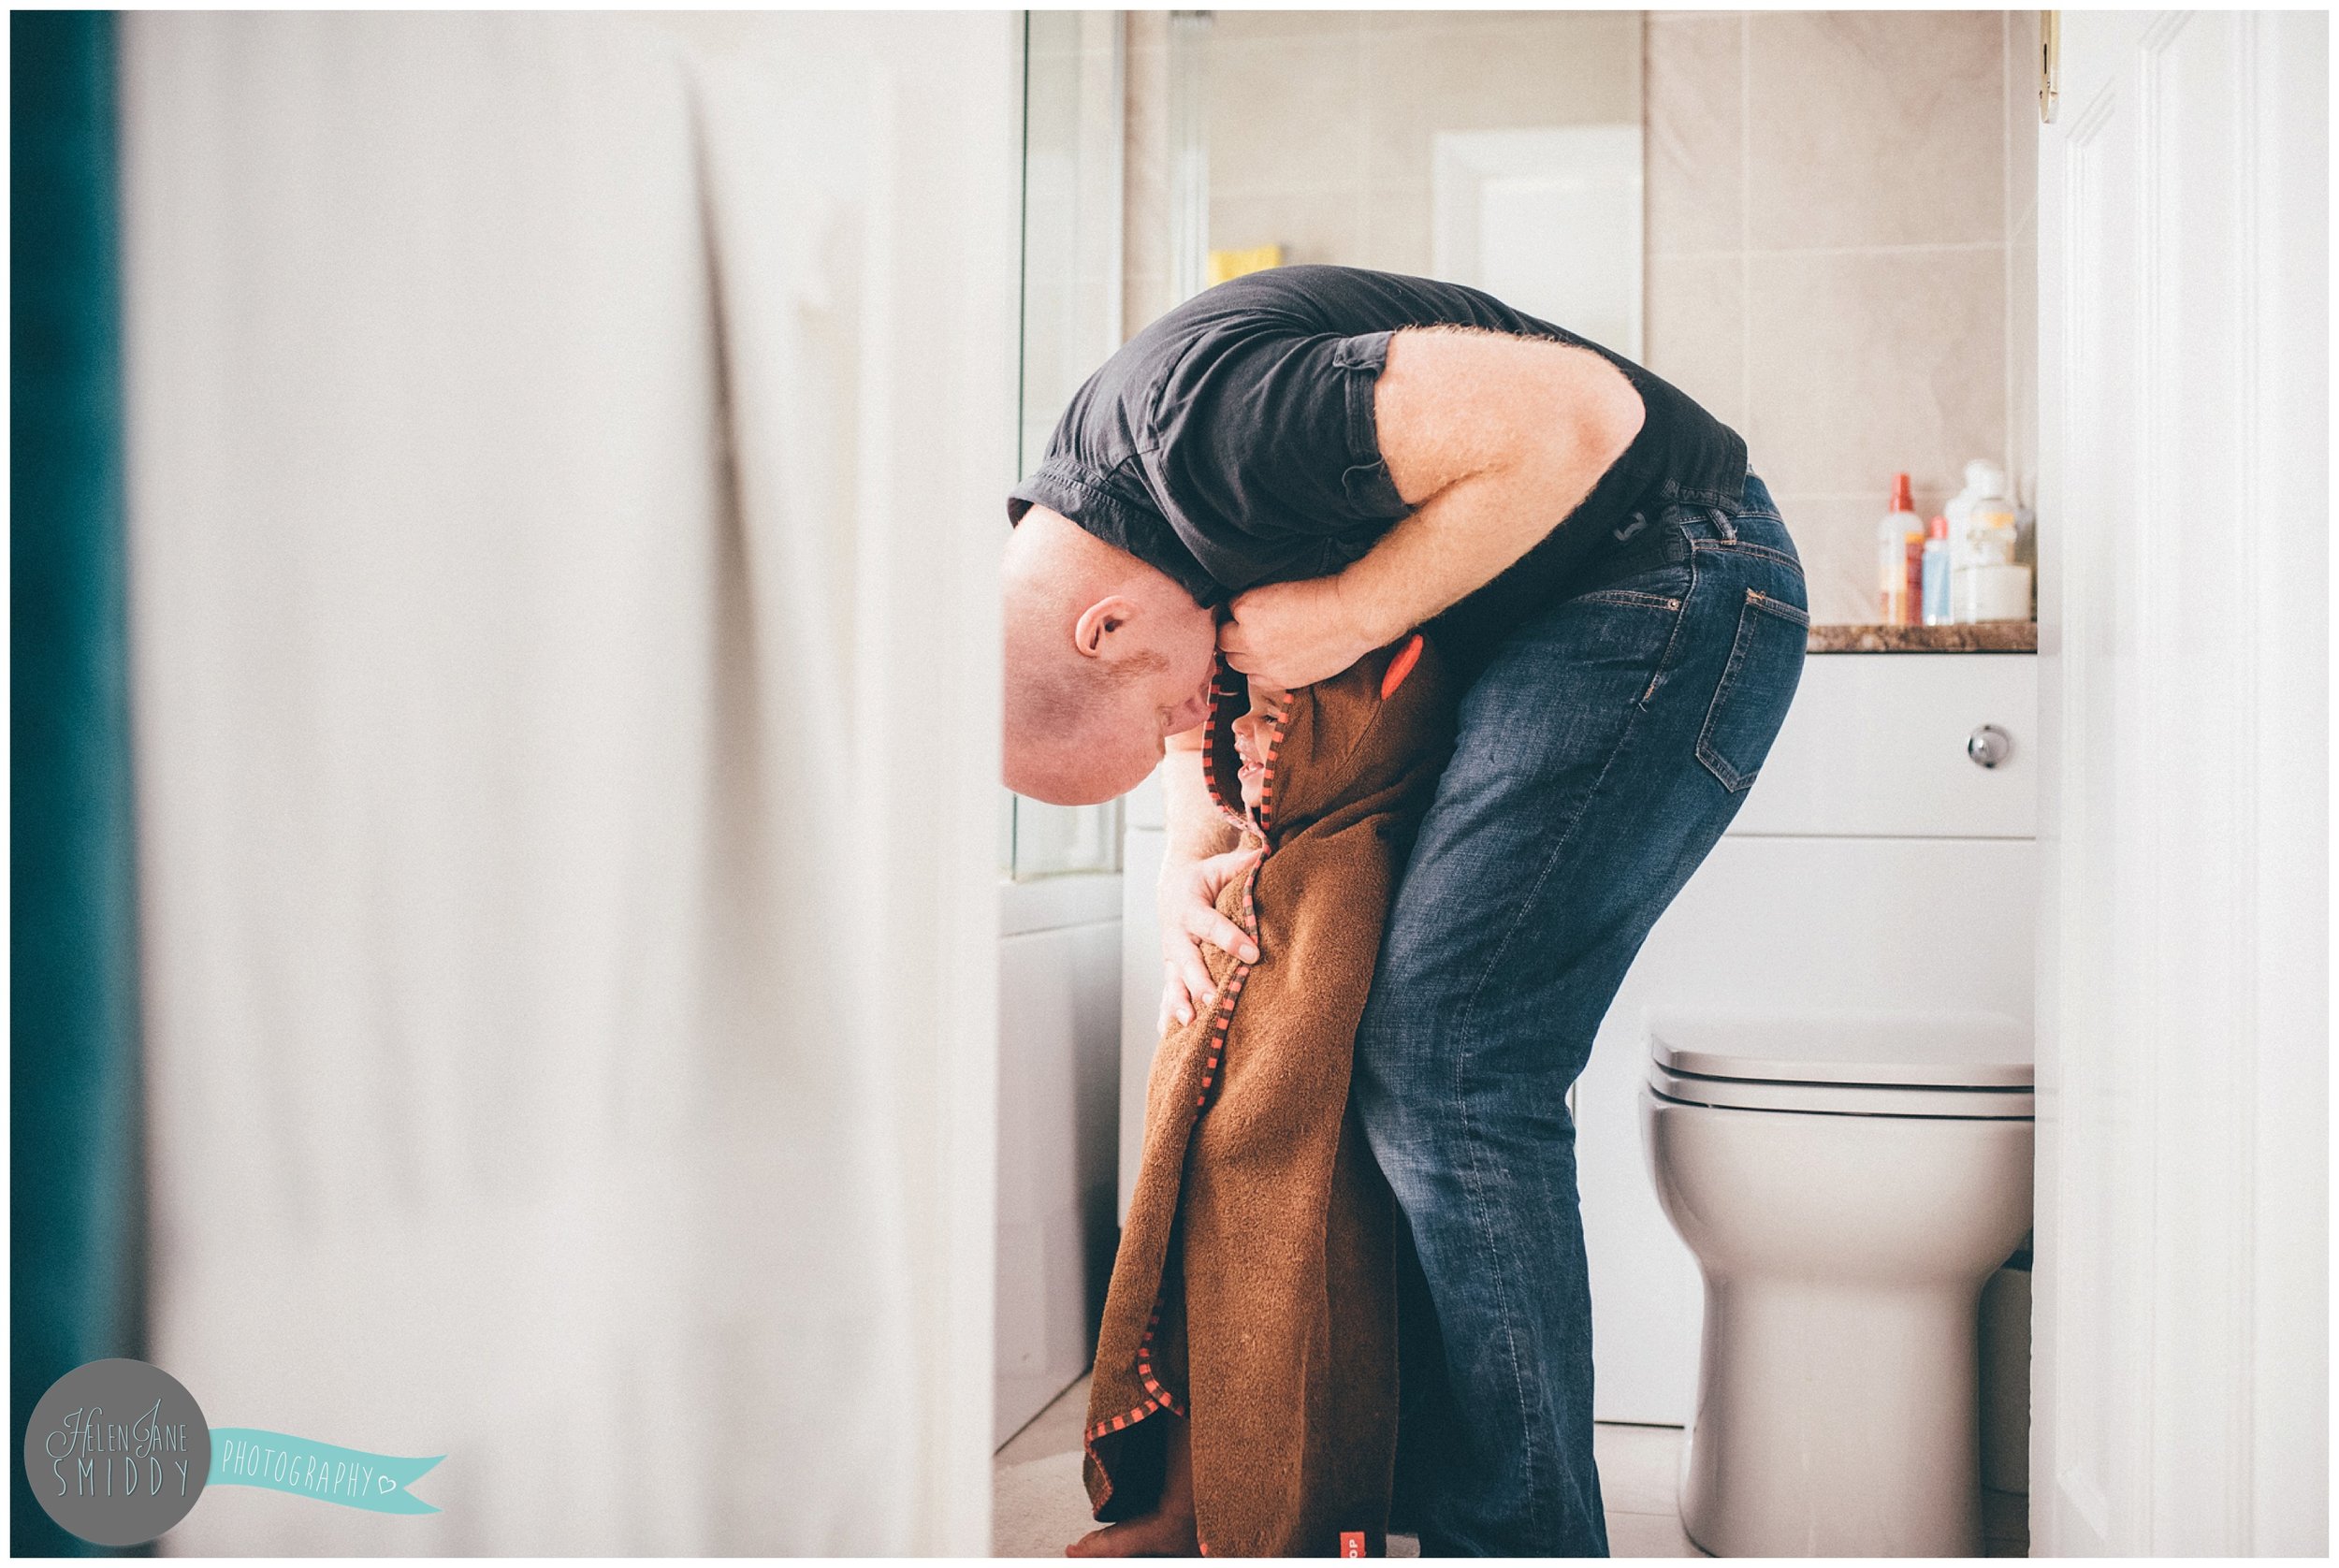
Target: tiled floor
<point x="1038" y="1506"/>
<point x="1640" y="1471"/>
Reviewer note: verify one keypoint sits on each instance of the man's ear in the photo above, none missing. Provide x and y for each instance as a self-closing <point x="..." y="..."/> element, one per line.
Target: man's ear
<point x="1099" y="620"/>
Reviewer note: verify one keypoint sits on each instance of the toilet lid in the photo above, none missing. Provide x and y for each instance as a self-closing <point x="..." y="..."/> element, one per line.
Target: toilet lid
<point x="2014" y="1103"/>
<point x="1932" y="1050"/>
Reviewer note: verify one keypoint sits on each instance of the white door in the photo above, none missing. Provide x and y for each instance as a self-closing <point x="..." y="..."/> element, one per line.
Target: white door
<point x="2180" y="1361"/>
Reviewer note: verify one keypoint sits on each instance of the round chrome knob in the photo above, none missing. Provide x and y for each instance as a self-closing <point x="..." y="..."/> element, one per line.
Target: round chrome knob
<point x="1989" y="745"/>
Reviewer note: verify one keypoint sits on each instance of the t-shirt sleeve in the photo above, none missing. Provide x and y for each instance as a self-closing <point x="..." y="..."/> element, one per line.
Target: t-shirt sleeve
<point x="1269" y="436"/>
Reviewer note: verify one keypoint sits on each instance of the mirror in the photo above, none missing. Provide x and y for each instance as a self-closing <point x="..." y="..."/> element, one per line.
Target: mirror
<point x="1073" y="108"/>
<point x="1502" y="150"/>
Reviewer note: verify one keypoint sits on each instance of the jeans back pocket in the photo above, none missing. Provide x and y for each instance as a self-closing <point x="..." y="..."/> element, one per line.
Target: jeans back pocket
<point x="1757" y="684"/>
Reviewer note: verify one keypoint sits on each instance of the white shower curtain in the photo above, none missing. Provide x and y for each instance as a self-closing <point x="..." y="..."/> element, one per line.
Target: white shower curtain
<point x="566" y="460"/>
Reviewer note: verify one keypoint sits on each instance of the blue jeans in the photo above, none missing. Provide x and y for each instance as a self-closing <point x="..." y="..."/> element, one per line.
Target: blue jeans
<point x="1600" y="753"/>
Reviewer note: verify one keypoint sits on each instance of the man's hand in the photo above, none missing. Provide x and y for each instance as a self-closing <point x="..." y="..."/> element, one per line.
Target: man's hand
<point x="1294" y="635"/>
<point x="1187" y="903"/>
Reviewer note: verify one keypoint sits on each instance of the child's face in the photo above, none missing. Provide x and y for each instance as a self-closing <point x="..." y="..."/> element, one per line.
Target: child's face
<point x="1252" y="732"/>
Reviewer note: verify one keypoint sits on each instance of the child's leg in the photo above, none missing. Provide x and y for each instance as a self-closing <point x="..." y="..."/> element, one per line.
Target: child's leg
<point x="1169" y="1530"/>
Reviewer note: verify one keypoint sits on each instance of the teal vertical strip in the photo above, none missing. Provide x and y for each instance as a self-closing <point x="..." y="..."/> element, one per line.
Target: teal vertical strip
<point x="73" y="1069"/>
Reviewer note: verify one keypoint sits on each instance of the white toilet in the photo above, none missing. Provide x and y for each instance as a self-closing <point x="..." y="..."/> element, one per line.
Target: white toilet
<point x="1847" y="1182"/>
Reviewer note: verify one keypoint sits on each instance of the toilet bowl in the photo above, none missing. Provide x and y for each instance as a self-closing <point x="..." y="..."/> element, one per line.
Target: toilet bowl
<point x="1847" y="1182"/>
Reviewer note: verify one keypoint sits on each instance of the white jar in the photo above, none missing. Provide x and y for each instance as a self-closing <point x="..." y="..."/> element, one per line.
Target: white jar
<point x="1994" y="592"/>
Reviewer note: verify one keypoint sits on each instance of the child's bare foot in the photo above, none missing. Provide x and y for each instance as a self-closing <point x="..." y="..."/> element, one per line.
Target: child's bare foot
<point x="1154" y="1534"/>
<point x="1169" y="1530"/>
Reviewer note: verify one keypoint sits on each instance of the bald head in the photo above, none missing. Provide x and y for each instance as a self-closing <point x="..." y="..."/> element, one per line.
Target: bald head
<point x="1105" y="657"/>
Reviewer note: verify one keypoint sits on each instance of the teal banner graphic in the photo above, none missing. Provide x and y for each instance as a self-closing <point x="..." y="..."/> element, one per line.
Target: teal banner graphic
<point x="241" y="1457"/>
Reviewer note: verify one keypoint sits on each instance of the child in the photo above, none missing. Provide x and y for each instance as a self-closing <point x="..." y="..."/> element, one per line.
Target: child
<point x="1252" y="734"/>
<point x="1244" y="1396"/>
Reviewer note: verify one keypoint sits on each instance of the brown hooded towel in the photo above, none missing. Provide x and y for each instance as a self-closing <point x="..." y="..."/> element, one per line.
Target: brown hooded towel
<point x="1252" y="1291"/>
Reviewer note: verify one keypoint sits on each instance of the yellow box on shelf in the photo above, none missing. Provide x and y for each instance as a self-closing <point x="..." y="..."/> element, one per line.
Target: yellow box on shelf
<point x="1233" y="264"/>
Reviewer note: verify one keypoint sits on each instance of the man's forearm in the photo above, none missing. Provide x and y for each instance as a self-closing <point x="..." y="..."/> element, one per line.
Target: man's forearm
<point x="1458" y="541"/>
<point x="1195" y="829"/>
<point x="1495" y="441"/>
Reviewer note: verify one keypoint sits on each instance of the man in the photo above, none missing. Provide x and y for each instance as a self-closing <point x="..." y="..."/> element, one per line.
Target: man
<point x="1292" y="469"/>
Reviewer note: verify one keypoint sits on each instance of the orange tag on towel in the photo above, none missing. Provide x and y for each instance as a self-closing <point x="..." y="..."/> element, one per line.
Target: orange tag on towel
<point x="1351" y="1541"/>
<point x="1399" y="668"/>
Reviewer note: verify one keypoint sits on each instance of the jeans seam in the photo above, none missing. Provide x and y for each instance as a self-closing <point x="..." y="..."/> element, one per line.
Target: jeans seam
<point x="1629" y="597"/>
<point x="1746" y="547"/>
<point x="1473" y="1185"/>
<point x="1673" y="642"/>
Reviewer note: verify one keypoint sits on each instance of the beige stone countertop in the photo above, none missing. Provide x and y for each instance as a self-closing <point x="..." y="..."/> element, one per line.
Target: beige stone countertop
<point x="1988" y="636"/>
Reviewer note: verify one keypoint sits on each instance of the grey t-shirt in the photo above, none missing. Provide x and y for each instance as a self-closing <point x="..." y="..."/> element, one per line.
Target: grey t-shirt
<point x="1231" y="443"/>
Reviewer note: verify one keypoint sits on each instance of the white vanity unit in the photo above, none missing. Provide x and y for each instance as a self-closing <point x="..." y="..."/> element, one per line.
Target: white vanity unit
<point x="1877" y="866"/>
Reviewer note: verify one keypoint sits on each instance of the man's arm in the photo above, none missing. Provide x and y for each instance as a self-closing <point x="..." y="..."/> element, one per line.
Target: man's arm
<point x="1493" y="441"/>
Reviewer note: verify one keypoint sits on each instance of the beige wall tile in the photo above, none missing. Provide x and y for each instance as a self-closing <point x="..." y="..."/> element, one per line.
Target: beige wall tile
<point x="1860" y="365"/>
<point x="2022" y="416"/>
<point x="1145" y="171"/>
<point x="1397" y="229"/>
<point x="1836" y="536"/>
<point x="1695" y="316"/>
<point x="1248" y="26"/>
<point x="1603" y="41"/>
<point x="1285" y="112"/>
<point x="2022" y="117"/>
<point x="1566" y="68"/>
<point x="1465" y="21"/>
<point x="1312" y="226"/>
<point x="1875" y="128"/>
<point x="1143" y="296"/>
<point x="1695" y="103"/>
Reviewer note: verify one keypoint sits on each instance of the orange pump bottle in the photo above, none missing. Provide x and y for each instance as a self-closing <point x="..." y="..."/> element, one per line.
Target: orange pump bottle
<point x="1899" y="559"/>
